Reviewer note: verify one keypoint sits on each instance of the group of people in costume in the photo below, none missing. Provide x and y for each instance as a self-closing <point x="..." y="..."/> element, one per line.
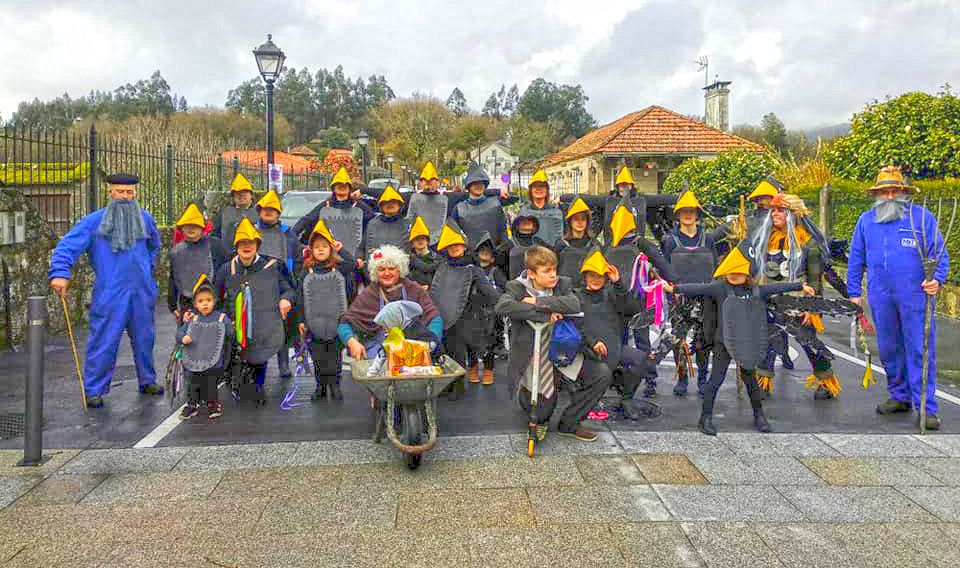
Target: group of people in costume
<point x="453" y="269"/>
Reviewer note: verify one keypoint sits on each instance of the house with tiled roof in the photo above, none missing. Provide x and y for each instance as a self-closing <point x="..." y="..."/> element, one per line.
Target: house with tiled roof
<point x="651" y="142"/>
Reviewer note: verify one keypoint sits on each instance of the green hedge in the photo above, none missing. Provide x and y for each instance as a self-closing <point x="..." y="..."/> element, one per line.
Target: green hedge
<point x="850" y="199"/>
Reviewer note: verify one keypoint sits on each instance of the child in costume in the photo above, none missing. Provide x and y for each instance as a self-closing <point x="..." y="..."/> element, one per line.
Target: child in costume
<point x="460" y="289"/>
<point x="423" y="259"/>
<point x="540" y="295"/>
<point x="324" y="285"/>
<point x="493" y="326"/>
<point x="523" y="237"/>
<point x="228" y="218"/>
<point x="207" y="336"/>
<point x="196" y="254"/>
<point x="257" y="290"/>
<point x="741" y="334"/>
<point x="577" y="240"/>
<point x="281" y="243"/>
<point x="692" y="253"/>
<point x="388" y="227"/>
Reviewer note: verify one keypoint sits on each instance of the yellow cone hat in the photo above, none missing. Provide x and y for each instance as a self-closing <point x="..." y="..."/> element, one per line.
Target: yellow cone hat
<point x="538" y="176"/>
<point x="769" y="187"/>
<point x="687" y="201"/>
<point x="342" y="176"/>
<point x="734" y="263"/>
<point x="623" y="176"/>
<point x="418" y="229"/>
<point x="622" y="223"/>
<point x="579" y="206"/>
<point x="192" y="216"/>
<point x="246" y="232"/>
<point x="596" y="263"/>
<point x="450" y="235"/>
<point x="321" y="229"/>
<point x="390" y="194"/>
<point x="203" y="279"/>
<point x="271" y="200"/>
<point x="240" y="183"/>
<point x="429" y="172"/>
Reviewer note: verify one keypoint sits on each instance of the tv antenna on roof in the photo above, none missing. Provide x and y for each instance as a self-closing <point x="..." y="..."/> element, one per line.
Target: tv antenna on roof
<point x="703" y="65"/>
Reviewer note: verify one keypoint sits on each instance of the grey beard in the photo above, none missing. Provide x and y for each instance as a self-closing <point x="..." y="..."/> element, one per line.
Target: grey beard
<point x="888" y="210"/>
<point x="122" y="224"/>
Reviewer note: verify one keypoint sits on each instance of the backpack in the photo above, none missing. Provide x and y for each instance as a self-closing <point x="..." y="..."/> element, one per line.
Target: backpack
<point x="564" y="343"/>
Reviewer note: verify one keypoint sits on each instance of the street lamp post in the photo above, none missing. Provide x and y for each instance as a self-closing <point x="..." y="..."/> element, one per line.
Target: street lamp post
<point x="363" y="138"/>
<point x="390" y="164"/>
<point x="270" y="60"/>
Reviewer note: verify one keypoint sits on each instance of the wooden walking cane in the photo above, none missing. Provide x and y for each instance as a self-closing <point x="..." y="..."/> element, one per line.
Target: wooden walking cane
<point x="73" y="346"/>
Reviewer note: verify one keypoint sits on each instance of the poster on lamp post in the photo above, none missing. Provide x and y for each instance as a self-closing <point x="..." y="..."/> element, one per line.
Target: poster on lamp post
<point x="275" y="177"/>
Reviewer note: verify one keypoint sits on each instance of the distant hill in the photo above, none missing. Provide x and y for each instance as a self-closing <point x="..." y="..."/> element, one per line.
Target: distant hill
<point x="827" y="132"/>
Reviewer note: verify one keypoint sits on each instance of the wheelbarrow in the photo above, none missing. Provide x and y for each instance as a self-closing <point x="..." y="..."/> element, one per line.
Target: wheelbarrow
<point x="407" y="406"/>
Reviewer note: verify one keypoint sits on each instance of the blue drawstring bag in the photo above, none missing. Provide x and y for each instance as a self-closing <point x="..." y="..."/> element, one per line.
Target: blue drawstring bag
<point x="564" y="343"/>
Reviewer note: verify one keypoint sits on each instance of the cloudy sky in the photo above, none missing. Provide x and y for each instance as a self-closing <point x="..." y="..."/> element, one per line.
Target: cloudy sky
<point x="812" y="62"/>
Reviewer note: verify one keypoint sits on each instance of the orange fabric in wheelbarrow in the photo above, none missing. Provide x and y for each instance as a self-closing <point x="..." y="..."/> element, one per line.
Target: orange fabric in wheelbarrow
<point x="403" y="352"/>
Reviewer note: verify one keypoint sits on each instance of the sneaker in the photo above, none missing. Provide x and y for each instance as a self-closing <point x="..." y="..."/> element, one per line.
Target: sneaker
<point x="541" y="432"/>
<point x="760" y="423"/>
<point x="190" y="410"/>
<point x="706" y="425"/>
<point x="933" y="422"/>
<point x="680" y="389"/>
<point x="214" y="409"/>
<point x="891" y="406"/>
<point x="581" y="434"/>
<point x="151" y="388"/>
<point x="822" y="394"/>
<point x="94" y="402"/>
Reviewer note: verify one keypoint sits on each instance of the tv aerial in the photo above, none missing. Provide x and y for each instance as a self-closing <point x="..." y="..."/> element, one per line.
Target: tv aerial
<point x="703" y="64"/>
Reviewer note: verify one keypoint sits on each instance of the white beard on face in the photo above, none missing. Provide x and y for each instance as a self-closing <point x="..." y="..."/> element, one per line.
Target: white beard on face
<point x="888" y="210"/>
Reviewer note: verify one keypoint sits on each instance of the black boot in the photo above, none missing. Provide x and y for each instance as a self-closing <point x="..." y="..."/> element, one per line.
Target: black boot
<point x="680" y="389"/>
<point x="320" y="393"/>
<point x="706" y="425"/>
<point x="891" y="406"/>
<point x="760" y="422"/>
<point x="283" y="363"/>
<point x="335" y="393"/>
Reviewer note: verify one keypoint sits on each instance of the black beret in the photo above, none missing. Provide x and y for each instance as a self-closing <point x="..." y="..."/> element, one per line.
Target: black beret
<point x="123" y="179"/>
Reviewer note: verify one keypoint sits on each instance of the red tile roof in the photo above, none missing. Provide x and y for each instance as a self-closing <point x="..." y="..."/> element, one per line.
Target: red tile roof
<point x="653" y="130"/>
<point x="258" y="159"/>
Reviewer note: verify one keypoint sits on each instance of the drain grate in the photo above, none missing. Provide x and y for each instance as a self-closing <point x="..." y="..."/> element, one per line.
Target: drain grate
<point x="11" y="425"/>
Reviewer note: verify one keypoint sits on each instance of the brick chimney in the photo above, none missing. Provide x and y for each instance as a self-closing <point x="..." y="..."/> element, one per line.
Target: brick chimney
<point x="717" y="105"/>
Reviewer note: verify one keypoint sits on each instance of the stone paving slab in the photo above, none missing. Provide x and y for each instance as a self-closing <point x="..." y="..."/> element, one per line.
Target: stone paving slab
<point x="466" y="508"/>
<point x="870" y="471"/>
<point x="730" y="545"/>
<point x="276" y="482"/>
<point x="854" y="504"/>
<point x="726" y="503"/>
<point x="935" y="542"/>
<point x="874" y="545"/>
<point x="63" y="489"/>
<point x="792" y="445"/>
<point x="656" y="544"/>
<point x="124" y="460"/>
<point x="328" y="508"/>
<point x="556" y="445"/>
<point x="949" y="444"/>
<point x="754" y="470"/>
<point x="689" y="443"/>
<point x="596" y="504"/>
<point x="206" y="458"/>
<point x="335" y="452"/>
<point x="669" y="469"/>
<point x="9" y="459"/>
<point x="461" y="447"/>
<point x="807" y="545"/>
<point x="879" y="445"/>
<point x="157" y="487"/>
<point x="609" y="470"/>
<point x="946" y="470"/>
<point x="60" y="553"/>
<point x="11" y="488"/>
<point x="944" y="502"/>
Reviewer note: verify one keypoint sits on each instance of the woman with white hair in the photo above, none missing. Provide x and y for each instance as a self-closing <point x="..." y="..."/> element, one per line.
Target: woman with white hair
<point x="388" y="267"/>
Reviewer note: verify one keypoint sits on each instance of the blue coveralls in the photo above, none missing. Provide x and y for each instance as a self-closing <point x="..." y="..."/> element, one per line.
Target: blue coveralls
<point x="888" y="252"/>
<point x="124" y="297"/>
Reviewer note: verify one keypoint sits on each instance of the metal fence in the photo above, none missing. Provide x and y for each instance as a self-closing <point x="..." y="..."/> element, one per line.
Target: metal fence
<point x="62" y="173"/>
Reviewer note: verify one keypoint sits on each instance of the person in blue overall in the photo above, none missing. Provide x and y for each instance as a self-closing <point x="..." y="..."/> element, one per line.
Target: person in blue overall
<point x="884" y="245"/>
<point x="121" y="241"/>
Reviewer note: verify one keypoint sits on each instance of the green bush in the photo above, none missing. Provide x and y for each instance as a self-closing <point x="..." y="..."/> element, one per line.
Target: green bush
<point x="919" y="132"/>
<point x="849" y="199"/>
<point x="719" y="182"/>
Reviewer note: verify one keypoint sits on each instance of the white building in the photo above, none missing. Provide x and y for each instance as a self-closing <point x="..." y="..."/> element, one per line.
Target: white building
<point x="496" y="159"/>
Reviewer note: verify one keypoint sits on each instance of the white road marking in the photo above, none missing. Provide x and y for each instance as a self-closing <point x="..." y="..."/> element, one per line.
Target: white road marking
<point x="878" y="369"/>
<point x="163" y="429"/>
